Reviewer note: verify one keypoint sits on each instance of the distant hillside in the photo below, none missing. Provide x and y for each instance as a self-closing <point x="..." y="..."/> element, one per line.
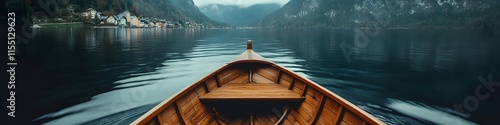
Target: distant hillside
<point x="238" y="16"/>
<point x="174" y="10"/>
<point x="406" y="13"/>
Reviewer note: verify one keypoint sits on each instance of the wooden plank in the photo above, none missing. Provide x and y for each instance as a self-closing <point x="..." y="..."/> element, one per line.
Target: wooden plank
<point x="267" y="72"/>
<point x="217" y="80"/>
<point x="310" y="109"/>
<point x="328" y="115"/>
<point x="157" y="120"/>
<point x="297" y="90"/>
<point x="167" y="113"/>
<point x="304" y="91"/>
<point x="286" y="77"/>
<point x="311" y="101"/>
<point x="183" y="102"/>
<point x="263" y="119"/>
<point x="299" y="118"/>
<point x="292" y="84"/>
<point x="206" y="120"/>
<point x="211" y="84"/>
<point x="285" y="83"/>
<point x="332" y="106"/>
<point x="326" y="120"/>
<point x="226" y="72"/>
<point x="306" y="115"/>
<point x="200" y="90"/>
<point x="180" y="114"/>
<point x="199" y="106"/>
<point x="214" y="122"/>
<point x="318" y="123"/>
<point x="318" y="113"/>
<point x="290" y="118"/>
<point x="154" y="121"/>
<point x="272" y="117"/>
<point x="186" y="107"/>
<point x="338" y="118"/>
<point x="229" y="77"/>
<point x="192" y="96"/>
<point x="343" y="123"/>
<point x="314" y="94"/>
<point x="240" y="79"/>
<point x="172" y="120"/>
<point x="277" y="80"/>
<point x="351" y="107"/>
<point x="205" y="86"/>
<point x="257" y="78"/>
<point x="251" y="92"/>
<point x="351" y="119"/>
<point x="249" y="59"/>
<point x="299" y="84"/>
<point x="200" y="113"/>
<point x="187" y="115"/>
<point x="286" y="122"/>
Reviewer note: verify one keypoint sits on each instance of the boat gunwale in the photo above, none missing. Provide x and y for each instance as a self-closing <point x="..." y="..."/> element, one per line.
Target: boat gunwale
<point x="338" y="99"/>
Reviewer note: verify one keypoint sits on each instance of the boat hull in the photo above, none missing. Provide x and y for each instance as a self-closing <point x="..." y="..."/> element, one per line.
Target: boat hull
<point x="251" y="90"/>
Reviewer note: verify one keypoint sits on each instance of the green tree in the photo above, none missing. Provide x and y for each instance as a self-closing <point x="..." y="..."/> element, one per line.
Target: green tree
<point x="96" y="19"/>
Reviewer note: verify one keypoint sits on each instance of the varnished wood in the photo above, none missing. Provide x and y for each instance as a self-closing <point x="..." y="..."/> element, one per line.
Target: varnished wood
<point x="277" y="80"/>
<point x="317" y="105"/>
<point x="339" y="116"/>
<point x="292" y="84"/>
<point x="251" y="119"/>
<point x="318" y="113"/>
<point x="249" y="44"/>
<point x="247" y="91"/>
<point x="179" y="113"/>
<point x="217" y="79"/>
<point x="283" y="116"/>
<point x="157" y="119"/>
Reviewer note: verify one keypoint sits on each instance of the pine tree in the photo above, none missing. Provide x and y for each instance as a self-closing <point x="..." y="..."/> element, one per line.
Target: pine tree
<point x="96" y="19"/>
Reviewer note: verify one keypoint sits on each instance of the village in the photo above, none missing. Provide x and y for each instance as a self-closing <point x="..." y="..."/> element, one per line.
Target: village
<point x="127" y="20"/>
<point x="122" y="20"/>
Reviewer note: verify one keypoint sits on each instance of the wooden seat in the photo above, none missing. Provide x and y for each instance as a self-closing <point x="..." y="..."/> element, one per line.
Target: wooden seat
<point x="251" y="91"/>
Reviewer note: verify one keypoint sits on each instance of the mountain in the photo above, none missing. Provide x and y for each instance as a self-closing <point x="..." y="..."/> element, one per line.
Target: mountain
<point x="174" y="10"/>
<point x="393" y="13"/>
<point x="239" y="16"/>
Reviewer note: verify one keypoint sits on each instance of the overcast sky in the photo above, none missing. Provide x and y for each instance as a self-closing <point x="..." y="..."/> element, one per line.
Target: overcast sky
<point x="241" y="3"/>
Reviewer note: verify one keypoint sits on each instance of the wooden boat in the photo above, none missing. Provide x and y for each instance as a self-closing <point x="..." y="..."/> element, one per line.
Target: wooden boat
<point x="251" y="90"/>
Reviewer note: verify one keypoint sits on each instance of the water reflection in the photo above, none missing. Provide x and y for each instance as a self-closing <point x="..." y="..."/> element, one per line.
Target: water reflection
<point x="115" y="75"/>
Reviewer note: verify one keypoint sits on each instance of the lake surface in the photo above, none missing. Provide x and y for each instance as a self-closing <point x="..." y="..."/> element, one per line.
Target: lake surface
<point x="112" y="76"/>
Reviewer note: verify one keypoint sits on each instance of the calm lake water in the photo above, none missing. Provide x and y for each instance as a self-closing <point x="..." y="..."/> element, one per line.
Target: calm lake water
<point x="112" y="76"/>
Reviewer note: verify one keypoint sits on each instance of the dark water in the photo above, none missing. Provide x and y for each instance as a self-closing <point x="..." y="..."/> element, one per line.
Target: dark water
<point x="112" y="76"/>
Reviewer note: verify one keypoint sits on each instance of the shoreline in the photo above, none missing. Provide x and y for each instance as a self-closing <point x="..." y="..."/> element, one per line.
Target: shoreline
<point x="66" y="23"/>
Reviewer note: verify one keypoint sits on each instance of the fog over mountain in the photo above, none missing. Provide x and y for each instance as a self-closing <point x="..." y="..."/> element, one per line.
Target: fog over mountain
<point x="240" y="3"/>
<point x="239" y="16"/>
<point x="397" y="13"/>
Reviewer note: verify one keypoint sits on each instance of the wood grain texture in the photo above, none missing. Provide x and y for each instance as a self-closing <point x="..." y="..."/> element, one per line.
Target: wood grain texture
<point x="261" y="91"/>
<point x="314" y="104"/>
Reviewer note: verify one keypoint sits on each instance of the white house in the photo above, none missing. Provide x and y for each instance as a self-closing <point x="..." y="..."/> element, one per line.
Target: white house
<point x="111" y="20"/>
<point x="122" y="22"/>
